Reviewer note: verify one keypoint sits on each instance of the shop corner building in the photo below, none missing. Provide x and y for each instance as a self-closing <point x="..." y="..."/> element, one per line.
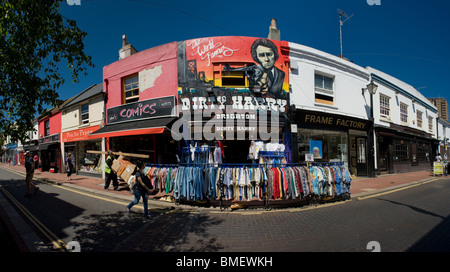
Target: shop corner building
<point x="217" y="89"/>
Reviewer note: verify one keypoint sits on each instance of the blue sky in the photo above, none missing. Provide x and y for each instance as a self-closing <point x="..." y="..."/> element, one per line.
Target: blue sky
<point x="408" y="39"/>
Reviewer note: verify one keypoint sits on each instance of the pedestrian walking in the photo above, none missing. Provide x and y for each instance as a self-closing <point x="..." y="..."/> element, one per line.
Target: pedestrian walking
<point x="69" y="166"/>
<point x="109" y="173"/>
<point x="29" y="168"/>
<point x="142" y="189"/>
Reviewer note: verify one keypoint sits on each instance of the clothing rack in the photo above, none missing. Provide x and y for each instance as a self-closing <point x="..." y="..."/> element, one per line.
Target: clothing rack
<point x="161" y="165"/>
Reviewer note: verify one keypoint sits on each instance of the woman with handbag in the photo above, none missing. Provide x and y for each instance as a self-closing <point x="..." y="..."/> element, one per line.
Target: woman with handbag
<point x="142" y="188"/>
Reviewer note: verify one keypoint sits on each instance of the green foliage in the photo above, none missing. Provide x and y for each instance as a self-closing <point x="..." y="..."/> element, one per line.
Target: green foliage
<point x="34" y="40"/>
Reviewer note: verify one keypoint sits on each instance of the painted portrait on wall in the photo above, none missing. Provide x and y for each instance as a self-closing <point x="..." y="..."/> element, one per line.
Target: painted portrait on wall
<point x="251" y="66"/>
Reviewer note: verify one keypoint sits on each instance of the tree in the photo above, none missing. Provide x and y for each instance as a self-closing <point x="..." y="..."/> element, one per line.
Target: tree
<point x="34" y="40"/>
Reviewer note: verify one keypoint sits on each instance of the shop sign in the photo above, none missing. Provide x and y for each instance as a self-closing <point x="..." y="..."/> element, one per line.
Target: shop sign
<point x="79" y="134"/>
<point x="438" y="168"/>
<point x="334" y="121"/>
<point x="151" y="108"/>
<point x="49" y="139"/>
<point x="199" y="100"/>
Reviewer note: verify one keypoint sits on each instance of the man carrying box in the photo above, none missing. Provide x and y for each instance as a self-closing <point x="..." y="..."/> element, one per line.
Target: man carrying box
<point x="109" y="173"/>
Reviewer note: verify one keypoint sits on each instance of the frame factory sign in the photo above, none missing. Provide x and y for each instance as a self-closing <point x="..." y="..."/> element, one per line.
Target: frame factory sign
<point x="320" y="119"/>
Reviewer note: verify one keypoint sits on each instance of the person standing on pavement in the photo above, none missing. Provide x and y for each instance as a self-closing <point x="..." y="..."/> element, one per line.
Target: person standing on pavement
<point x="69" y="166"/>
<point x="109" y="173"/>
<point x="142" y="189"/>
<point x="438" y="157"/>
<point x="29" y="168"/>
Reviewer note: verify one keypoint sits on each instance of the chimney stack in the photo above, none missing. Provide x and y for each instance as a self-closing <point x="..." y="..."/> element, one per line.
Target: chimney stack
<point x="274" y="33"/>
<point x="127" y="49"/>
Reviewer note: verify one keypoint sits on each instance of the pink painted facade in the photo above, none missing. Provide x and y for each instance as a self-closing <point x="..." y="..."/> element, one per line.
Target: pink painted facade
<point x="50" y="157"/>
<point x="161" y="64"/>
<point x="55" y="124"/>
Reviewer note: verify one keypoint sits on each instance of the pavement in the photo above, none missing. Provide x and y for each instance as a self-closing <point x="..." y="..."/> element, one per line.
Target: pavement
<point x="361" y="187"/>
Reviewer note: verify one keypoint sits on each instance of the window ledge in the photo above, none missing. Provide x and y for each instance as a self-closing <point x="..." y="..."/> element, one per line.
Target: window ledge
<point x="385" y="119"/>
<point x="326" y="106"/>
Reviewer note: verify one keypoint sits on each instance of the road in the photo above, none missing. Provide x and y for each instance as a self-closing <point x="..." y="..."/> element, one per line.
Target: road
<point x="413" y="219"/>
<point x="66" y="214"/>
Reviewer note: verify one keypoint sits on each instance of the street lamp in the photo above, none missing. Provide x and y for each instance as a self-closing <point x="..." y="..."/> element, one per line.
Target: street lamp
<point x="372" y="89"/>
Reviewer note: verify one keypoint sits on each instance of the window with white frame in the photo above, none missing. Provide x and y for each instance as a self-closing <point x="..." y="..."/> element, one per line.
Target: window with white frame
<point x="324" y="92"/>
<point x="131" y="89"/>
<point x="430" y="124"/>
<point x="385" y="109"/>
<point x="403" y="113"/>
<point x="85" y="114"/>
<point x="419" y="119"/>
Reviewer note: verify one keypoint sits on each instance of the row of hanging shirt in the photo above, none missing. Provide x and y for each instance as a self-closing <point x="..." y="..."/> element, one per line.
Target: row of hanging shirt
<point x="161" y="177"/>
<point x="330" y="180"/>
<point x="251" y="182"/>
<point x="201" y="155"/>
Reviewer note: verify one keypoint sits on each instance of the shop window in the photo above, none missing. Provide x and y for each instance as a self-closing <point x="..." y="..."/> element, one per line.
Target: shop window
<point x="131" y="89"/>
<point x="85" y="114"/>
<point x="232" y="75"/>
<point x="401" y="151"/>
<point x="403" y="113"/>
<point x="385" y="110"/>
<point x="325" y="145"/>
<point x="89" y="162"/>
<point x="419" y="119"/>
<point x="324" y="92"/>
<point x="47" y="128"/>
<point x="233" y="79"/>
<point x="423" y="152"/>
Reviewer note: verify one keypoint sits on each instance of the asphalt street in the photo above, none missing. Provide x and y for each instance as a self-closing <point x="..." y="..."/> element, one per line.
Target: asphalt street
<point x="412" y="219"/>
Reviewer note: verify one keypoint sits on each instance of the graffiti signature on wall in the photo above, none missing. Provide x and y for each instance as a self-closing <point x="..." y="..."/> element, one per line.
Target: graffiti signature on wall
<point x="207" y="49"/>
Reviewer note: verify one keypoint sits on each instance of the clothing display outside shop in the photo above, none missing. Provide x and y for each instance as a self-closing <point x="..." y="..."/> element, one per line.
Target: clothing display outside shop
<point x="200" y="177"/>
<point x="250" y="182"/>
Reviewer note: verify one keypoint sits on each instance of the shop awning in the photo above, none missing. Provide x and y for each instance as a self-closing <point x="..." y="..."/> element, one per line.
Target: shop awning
<point x="47" y="146"/>
<point x="142" y="127"/>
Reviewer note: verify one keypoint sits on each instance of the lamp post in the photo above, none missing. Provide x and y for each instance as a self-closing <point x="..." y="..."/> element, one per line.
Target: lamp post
<point x="372" y="89"/>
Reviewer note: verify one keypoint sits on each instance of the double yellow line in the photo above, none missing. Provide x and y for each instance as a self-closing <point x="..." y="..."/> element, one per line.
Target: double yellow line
<point x="397" y="190"/>
<point x="57" y="243"/>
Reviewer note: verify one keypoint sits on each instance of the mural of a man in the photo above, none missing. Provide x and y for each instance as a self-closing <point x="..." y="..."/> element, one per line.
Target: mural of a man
<point x="266" y="75"/>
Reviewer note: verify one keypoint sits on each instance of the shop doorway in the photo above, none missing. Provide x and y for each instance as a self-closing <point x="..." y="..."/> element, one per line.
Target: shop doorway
<point x="236" y="151"/>
<point x="383" y="160"/>
<point x="361" y="156"/>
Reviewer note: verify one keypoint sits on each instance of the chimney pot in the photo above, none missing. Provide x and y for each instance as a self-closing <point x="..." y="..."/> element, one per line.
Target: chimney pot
<point x="124" y="40"/>
<point x="274" y="33"/>
<point x="273" y="24"/>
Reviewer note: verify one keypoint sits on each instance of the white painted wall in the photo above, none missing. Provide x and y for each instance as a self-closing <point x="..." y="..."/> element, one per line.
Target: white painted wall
<point x="401" y="92"/>
<point x="71" y="117"/>
<point x="349" y="80"/>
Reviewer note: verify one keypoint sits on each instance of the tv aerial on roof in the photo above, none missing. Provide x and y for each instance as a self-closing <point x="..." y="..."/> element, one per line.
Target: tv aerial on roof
<point x="341" y="23"/>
